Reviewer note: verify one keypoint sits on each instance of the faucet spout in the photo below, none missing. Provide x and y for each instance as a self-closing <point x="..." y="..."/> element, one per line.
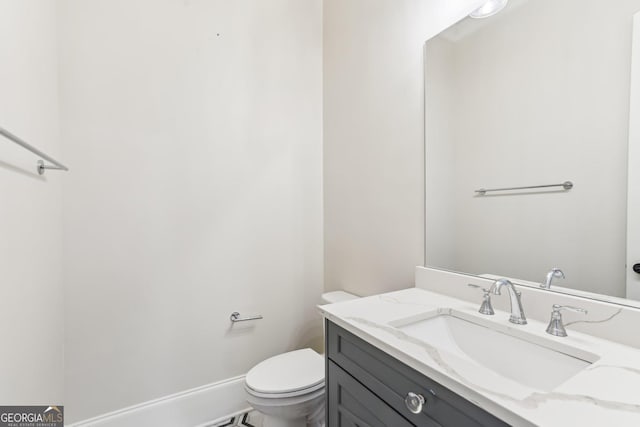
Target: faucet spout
<point x="517" y="312"/>
<point x="555" y="273"/>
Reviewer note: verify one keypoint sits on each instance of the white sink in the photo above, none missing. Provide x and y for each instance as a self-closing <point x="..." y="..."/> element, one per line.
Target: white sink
<point x="524" y="358"/>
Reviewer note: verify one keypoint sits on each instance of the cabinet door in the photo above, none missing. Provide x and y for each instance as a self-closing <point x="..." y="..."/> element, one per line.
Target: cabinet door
<point x="350" y="404"/>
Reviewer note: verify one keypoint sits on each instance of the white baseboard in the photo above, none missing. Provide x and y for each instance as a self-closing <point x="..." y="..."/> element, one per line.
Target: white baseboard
<point x="195" y="407"/>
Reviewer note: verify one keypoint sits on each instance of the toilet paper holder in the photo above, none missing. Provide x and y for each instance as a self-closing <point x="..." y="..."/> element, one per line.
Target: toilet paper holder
<point x="235" y="317"/>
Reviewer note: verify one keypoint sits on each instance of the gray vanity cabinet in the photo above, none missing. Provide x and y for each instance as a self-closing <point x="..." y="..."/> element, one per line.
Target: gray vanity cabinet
<point x="355" y="405"/>
<point x="367" y="387"/>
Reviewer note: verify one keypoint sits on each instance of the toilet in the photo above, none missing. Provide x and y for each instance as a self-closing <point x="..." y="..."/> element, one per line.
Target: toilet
<point x="288" y="389"/>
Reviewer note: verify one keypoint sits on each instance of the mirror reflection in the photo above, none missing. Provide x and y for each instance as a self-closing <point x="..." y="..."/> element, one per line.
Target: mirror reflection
<point x="537" y="94"/>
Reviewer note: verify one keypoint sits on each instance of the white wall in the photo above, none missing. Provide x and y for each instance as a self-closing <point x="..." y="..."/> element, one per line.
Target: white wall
<point x="194" y="130"/>
<point x="542" y="96"/>
<point x="31" y="309"/>
<point x="373" y="138"/>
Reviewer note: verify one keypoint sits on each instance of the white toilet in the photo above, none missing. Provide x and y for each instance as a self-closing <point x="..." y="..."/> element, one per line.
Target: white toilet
<point x="288" y="389"/>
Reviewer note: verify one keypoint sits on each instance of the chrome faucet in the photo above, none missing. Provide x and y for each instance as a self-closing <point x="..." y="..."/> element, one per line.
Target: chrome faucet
<point x="556" y="327"/>
<point x="486" y="307"/>
<point x="517" y="313"/>
<point x="554" y="273"/>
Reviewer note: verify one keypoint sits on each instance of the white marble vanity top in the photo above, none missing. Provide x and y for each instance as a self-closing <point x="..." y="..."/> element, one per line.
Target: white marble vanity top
<point x="606" y="393"/>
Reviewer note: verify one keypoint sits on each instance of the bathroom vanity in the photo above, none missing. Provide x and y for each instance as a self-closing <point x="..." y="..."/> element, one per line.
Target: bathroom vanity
<point x="421" y="358"/>
<point x="367" y="386"/>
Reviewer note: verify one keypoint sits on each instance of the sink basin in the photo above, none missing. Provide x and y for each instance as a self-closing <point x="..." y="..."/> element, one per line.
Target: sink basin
<point x="524" y="358"/>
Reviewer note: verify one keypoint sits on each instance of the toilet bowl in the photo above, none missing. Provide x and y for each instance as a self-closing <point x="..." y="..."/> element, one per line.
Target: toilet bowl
<point x="288" y="389"/>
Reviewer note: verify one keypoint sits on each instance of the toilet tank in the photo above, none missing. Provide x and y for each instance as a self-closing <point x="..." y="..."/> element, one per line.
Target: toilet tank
<point x="336" y="296"/>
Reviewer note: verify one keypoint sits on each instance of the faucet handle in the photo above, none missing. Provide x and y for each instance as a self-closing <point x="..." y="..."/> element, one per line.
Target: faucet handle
<point x="485" y="290"/>
<point x="556" y="327"/>
<point x="486" y="307"/>
<point x="557" y="307"/>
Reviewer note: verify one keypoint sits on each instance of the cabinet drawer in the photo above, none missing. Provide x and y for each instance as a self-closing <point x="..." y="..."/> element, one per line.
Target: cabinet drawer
<point x="391" y="381"/>
<point x="350" y="404"/>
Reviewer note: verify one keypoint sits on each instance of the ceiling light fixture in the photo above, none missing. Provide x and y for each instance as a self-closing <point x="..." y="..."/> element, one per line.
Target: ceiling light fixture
<point x="490" y="8"/>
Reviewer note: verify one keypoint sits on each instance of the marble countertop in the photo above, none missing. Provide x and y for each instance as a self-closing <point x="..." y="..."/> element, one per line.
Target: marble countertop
<point x="607" y="392"/>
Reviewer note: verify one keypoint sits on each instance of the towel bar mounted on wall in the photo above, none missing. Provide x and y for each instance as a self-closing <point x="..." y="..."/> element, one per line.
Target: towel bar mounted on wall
<point x="235" y="317"/>
<point x="567" y="185"/>
<point x="41" y="165"/>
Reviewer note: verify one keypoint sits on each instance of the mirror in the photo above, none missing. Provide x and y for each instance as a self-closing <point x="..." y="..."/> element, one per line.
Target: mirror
<point x="535" y="95"/>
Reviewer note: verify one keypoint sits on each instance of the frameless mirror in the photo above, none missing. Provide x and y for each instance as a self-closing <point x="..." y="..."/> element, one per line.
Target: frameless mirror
<point x="535" y="95"/>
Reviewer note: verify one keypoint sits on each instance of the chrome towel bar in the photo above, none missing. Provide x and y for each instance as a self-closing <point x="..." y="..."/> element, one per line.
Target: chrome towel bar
<point x="235" y="317"/>
<point x="41" y="166"/>
<point x="567" y="185"/>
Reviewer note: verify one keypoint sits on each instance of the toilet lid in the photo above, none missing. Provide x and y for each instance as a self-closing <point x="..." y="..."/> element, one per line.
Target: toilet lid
<point x="287" y="372"/>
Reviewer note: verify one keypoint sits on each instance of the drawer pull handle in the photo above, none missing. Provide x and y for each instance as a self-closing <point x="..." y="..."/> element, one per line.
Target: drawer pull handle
<point x="414" y="402"/>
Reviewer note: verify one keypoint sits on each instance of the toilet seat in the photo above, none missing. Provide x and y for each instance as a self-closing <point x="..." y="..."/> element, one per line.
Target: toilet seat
<point x="291" y="374"/>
